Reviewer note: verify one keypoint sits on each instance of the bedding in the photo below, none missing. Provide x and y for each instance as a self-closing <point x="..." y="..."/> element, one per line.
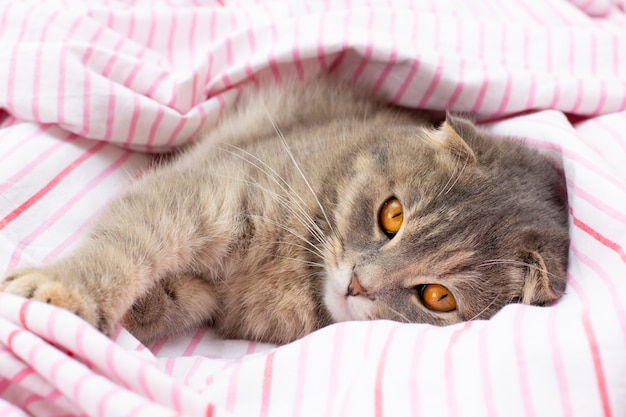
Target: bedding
<point x="91" y="90"/>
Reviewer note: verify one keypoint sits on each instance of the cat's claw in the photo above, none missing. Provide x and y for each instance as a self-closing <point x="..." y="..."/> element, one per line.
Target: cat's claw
<point x="39" y="286"/>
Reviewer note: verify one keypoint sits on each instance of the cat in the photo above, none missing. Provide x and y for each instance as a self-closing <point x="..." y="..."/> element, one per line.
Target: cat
<point x="315" y="203"/>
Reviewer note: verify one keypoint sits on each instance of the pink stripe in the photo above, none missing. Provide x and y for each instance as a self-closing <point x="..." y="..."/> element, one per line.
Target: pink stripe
<point x="380" y="374"/>
<point x="156" y="84"/>
<point x="5" y="13"/>
<point x="518" y="340"/>
<point x="335" y="365"/>
<point x="449" y="368"/>
<point x="152" y="29"/>
<point x="617" y="137"/>
<point x="368" y="48"/>
<point x="12" y="82"/>
<point x="415" y="389"/>
<point x="616" y="247"/>
<point x="158" y="345"/>
<point x="344" y="45"/>
<point x="616" y="54"/>
<point x="391" y="61"/>
<point x="21" y="376"/>
<point x="54" y="369"/>
<point x="78" y="385"/>
<point x="559" y="366"/>
<point x="170" y="43"/>
<point x="300" y="377"/>
<point x="251" y="347"/>
<point x="87" y="83"/>
<point x="110" y="113"/>
<point x="15" y="178"/>
<point x="459" y="86"/>
<point x="37" y="67"/>
<point x="609" y="282"/>
<point x="192" y="54"/>
<point x="407" y="81"/>
<point x="271" y="60"/>
<point x="35" y="398"/>
<point x="169" y="366"/>
<point x="195" y="366"/>
<point x="434" y="82"/>
<point x="195" y="341"/>
<point x="104" y="400"/>
<point x="154" y="128"/>
<point x="133" y="120"/>
<point x="143" y="380"/>
<point x="321" y="53"/>
<point x="295" y="52"/>
<point x="616" y="214"/>
<point x="266" y="390"/>
<point x="574" y="155"/>
<point x="111" y="368"/>
<point x="485" y="378"/>
<point x="601" y="99"/>
<point x="593" y="346"/>
<point x="63" y="71"/>
<point x="176" y="397"/>
<point x="23" y="312"/>
<point x="51" y="324"/>
<point x="69" y="240"/>
<point x="138" y="411"/>
<point x="79" y="339"/>
<point x="4" y="384"/>
<point x="50" y="185"/>
<point x="579" y="96"/>
<point x="19" y="249"/>
<point x="231" y="393"/>
<point x="39" y="130"/>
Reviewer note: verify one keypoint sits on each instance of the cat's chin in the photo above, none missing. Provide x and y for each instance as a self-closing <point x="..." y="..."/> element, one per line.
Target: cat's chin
<point x="341" y="306"/>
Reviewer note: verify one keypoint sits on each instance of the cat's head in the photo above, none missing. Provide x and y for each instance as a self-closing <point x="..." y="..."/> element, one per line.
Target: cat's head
<point x="444" y="225"/>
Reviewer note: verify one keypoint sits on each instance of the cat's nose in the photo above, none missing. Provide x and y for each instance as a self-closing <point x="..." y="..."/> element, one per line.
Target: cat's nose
<point x="355" y="288"/>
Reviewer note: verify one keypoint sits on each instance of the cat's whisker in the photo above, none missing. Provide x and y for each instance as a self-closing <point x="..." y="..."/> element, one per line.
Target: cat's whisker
<point x="288" y="230"/>
<point x="486" y="308"/>
<point x="267" y="170"/>
<point x="297" y="166"/>
<point x="458" y="177"/>
<point x="310" y="263"/>
<point x="515" y="263"/>
<point x="397" y="313"/>
<point x="287" y="189"/>
<point x="317" y="253"/>
<point x="299" y="214"/>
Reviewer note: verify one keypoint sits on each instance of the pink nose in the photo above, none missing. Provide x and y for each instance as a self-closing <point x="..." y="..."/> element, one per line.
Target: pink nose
<point x="355" y="288"/>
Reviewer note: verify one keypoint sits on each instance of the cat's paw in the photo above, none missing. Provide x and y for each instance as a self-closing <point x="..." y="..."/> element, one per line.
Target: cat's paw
<point x="42" y="286"/>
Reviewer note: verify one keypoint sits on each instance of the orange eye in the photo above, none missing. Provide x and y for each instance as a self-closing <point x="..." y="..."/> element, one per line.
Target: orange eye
<point x="391" y="216"/>
<point x="438" y="298"/>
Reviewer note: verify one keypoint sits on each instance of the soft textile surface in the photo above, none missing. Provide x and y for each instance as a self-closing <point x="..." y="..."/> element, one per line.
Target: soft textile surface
<point x="85" y="85"/>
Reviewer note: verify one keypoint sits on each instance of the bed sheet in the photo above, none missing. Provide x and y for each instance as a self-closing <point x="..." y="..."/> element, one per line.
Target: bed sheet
<point x="90" y="89"/>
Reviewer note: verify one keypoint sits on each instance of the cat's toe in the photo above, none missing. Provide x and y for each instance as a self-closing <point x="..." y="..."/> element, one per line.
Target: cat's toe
<point x="39" y="286"/>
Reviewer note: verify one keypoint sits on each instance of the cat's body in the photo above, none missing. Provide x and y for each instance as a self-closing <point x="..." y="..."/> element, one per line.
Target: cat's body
<point x="271" y="226"/>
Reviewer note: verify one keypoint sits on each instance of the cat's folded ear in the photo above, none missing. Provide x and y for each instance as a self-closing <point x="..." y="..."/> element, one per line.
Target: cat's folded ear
<point x="540" y="285"/>
<point x="450" y="137"/>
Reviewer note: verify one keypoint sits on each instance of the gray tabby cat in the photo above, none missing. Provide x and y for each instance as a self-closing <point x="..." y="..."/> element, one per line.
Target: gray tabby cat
<point x="316" y="204"/>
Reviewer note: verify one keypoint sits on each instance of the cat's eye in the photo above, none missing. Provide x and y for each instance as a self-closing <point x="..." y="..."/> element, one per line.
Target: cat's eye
<point x="391" y="217"/>
<point x="437" y="297"/>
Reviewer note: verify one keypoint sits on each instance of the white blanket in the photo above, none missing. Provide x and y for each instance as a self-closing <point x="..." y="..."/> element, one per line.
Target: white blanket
<point x="88" y="86"/>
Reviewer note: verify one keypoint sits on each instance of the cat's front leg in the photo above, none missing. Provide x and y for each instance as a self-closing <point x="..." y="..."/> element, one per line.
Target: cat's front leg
<point x="160" y="228"/>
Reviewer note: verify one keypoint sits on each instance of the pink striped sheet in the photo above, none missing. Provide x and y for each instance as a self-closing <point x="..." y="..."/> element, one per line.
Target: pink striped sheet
<point x="80" y="79"/>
